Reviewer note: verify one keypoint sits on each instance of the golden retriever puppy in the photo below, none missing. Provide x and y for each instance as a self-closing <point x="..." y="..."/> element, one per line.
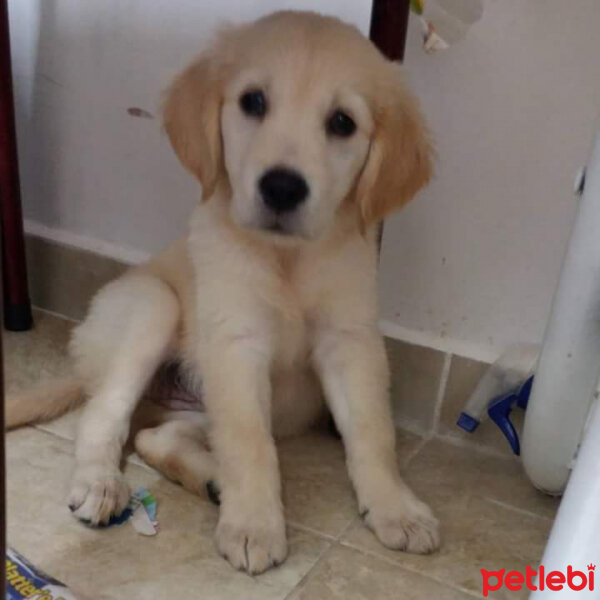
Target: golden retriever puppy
<point x="303" y="137"/>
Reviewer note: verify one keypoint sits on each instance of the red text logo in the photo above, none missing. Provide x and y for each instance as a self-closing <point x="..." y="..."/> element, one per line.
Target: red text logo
<point x="554" y="581"/>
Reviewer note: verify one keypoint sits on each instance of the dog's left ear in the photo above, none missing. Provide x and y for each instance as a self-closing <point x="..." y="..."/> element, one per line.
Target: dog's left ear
<point x="399" y="163"/>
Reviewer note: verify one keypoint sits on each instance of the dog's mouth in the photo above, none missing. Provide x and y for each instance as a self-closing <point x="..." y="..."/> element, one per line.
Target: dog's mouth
<point x="279" y="232"/>
<point x="279" y="225"/>
<point x="277" y="228"/>
<point x="284" y="228"/>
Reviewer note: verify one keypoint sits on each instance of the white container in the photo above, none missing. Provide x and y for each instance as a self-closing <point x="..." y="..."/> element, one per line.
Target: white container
<point x="569" y="364"/>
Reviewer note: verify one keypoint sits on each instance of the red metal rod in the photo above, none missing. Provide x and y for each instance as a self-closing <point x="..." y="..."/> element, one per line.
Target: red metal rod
<point x="17" y="307"/>
<point x="2" y="478"/>
<point x="389" y="26"/>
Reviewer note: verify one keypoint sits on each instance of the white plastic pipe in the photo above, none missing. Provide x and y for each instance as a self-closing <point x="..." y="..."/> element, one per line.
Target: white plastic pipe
<point x="569" y="364"/>
<point x="575" y="537"/>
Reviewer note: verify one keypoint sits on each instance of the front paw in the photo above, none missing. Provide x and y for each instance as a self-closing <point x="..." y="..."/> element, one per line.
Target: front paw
<point x="98" y="493"/>
<point x="402" y="522"/>
<point x="252" y="540"/>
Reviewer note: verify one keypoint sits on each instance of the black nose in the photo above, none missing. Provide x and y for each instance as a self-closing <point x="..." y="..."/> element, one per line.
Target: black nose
<point x="282" y="189"/>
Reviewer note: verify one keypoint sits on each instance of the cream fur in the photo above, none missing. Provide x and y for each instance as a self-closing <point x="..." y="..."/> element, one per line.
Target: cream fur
<point x="271" y="325"/>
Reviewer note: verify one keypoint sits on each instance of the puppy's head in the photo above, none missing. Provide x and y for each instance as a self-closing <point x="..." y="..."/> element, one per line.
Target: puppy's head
<point x="300" y="118"/>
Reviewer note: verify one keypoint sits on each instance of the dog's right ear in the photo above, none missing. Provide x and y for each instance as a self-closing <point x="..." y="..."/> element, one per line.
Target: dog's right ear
<point x="191" y="114"/>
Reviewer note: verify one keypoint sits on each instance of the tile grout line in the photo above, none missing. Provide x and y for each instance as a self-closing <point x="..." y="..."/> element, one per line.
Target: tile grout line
<point x="306" y="529"/>
<point x="393" y="563"/>
<point x="521" y="511"/>
<point x="413" y="453"/>
<point x="48" y="432"/>
<point x="473" y="446"/>
<point x="441" y="394"/>
<point x="40" y="427"/>
<point x="64" y="438"/>
<point x="335" y="541"/>
<point x="304" y="579"/>
<point x="53" y="313"/>
<point x="345" y="530"/>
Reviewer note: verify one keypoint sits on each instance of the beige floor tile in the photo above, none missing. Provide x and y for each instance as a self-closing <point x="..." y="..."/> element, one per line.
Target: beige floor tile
<point x="463" y="378"/>
<point x="476" y="534"/>
<point x="416" y="373"/>
<point x="116" y="561"/>
<point x="64" y="427"/>
<point x="197" y="577"/>
<point x="491" y="517"/>
<point x="351" y="575"/>
<point x="316" y="489"/>
<point x="64" y="278"/>
<point x="37" y="355"/>
<point x="188" y="581"/>
<point x="442" y="472"/>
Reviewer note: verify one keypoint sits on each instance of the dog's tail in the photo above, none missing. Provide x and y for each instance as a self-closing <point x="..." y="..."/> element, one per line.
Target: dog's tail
<point x="43" y="403"/>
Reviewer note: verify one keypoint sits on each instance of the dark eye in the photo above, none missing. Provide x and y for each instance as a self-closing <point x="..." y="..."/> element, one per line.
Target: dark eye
<point x="254" y="104"/>
<point x="340" y="124"/>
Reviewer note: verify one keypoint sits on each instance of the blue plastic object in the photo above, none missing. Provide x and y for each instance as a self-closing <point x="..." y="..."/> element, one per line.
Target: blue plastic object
<point x="467" y="422"/>
<point x="501" y="407"/>
<point x="499" y="411"/>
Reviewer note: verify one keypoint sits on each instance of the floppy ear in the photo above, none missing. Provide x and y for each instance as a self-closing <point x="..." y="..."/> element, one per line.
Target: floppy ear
<point x="399" y="163"/>
<point x="191" y="114"/>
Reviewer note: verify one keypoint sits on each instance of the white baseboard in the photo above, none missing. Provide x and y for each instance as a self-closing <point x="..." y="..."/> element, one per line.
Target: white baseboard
<point x="123" y="254"/>
<point x="132" y="256"/>
<point x="462" y="348"/>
